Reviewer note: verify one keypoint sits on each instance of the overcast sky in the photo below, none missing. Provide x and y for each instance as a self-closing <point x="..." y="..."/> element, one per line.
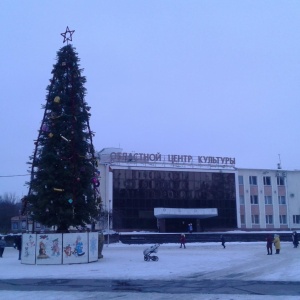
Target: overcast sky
<point x="212" y="78"/>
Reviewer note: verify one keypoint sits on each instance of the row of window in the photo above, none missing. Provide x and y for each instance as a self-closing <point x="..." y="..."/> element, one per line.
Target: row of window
<point x="266" y="180"/>
<point x="269" y="219"/>
<point x="268" y="199"/>
<point x="23" y="225"/>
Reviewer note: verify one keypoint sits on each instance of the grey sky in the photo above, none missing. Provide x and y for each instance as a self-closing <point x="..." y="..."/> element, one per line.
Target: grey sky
<point x="213" y="78"/>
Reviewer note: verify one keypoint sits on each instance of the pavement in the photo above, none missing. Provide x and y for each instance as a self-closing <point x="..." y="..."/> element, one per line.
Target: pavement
<point x="241" y="278"/>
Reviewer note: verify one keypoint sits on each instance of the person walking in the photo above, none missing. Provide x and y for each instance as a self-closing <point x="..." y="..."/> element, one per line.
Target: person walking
<point x="2" y="245"/>
<point x="190" y="227"/>
<point x="223" y="241"/>
<point x="182" y="241"/>
<point x="18" y="244"/>
<point x="269" y="244"/>
<point x="295" y="239"/>
<point x="276" y="242"/>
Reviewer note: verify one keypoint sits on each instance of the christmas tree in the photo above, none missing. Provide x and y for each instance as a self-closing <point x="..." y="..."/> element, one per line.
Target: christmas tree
<point x="63" y="189"/>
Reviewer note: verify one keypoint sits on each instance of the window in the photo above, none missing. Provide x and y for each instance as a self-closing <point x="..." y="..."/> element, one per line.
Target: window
<point x="253" y="180"/>
<point x="282" y="219"/>
<point x="23" y="224"/>
<point x="15" y="226"/>
<point x="254" y="199"/>
<point x="242" y="199"/>
<point x="296" y="219"/>
<point x="241" y="180"/>
<point x="280" y="180"/>
<point x="268" y="199"/>
<point x="281" y="200"/>
<point x="267" y="180"/>
<point x="255" y="219"/>
<point x="269" y="219"/>
<point x="243" y="219"/>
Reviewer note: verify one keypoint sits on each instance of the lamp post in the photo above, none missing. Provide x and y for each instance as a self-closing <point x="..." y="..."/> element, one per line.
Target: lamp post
<point x="108" y="224"/>
<point x="282" y="180"/>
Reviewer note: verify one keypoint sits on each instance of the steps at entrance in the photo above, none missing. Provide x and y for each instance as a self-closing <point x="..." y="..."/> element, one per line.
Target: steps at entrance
<point x="164" y="238"/>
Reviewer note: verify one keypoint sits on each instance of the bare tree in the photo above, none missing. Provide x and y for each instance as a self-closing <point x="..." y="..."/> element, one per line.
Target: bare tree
<point x="9" y="207"/>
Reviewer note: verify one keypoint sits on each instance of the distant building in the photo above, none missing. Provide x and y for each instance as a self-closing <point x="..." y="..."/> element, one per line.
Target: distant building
<point x="23" y="224"/>
<point x="167" y="192"/>
<point x="268" y="199"/>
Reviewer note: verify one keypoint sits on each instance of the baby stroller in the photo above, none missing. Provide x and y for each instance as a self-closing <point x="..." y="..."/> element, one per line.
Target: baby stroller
<point x="148" y="251"/>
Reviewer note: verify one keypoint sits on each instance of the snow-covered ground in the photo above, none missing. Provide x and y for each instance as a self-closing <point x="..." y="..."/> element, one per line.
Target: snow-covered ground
<point x="239" y="261"/>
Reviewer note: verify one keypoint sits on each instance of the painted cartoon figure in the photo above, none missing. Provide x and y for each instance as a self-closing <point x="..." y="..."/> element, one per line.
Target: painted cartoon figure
<point x="68" y="250"/>
<point x="55" y="248"/>
<point x="42" y="250"/>
<point x="78" y="247"/>
<point x="26" y="252"/>
<point x="93" y="245"/>
<point x="29" y="247"/>
<point x="31" y="242"/>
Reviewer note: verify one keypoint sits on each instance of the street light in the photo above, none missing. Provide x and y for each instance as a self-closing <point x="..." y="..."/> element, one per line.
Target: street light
<point x="108" y="212"/>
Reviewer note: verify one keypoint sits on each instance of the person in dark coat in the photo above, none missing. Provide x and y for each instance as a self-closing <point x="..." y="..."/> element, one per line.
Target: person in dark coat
<point x="295" y="239"/>
<point x="182" y="241"/>
<point x="269" y="244"/>
<point x="18" y="244"/>
<point x="2" y="245"/>
<point x="223" y="241"/>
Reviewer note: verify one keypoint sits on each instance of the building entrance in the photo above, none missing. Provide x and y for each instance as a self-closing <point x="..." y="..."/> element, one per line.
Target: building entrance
<point x="180" y="225"/>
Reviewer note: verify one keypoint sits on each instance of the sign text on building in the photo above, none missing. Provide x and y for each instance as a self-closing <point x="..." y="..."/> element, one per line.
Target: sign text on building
<point x="171" y="158"/>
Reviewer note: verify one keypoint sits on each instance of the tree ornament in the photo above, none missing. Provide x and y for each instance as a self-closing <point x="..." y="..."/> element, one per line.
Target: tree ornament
<point x="58" y="190"/>
<point x="63" y="64"/>
<point x="67" y="35"/>
<point x="64" y="138"/>
<point x="50" y="135"/>
<point x="53" y="115"/>
<point x="57" y="99"/>
<point x="95" y="182"/>
<point x="45" y="128"/>
<point x="70" y="200"/>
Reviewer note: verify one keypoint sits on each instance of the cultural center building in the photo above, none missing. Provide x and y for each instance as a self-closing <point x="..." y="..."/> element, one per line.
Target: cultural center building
<point x="151" y="192"/>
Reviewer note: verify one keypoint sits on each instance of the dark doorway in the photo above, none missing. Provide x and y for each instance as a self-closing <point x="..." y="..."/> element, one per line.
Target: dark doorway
<point x="180" y="225"/>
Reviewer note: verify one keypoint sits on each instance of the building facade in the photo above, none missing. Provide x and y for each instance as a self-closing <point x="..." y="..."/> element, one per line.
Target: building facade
<point x="25" y="224"/>
<point x="269" y="199"/>
<point x="136" y="186"/>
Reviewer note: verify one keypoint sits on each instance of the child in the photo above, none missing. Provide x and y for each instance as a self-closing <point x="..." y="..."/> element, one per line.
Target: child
<point x="182" y="241"/>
